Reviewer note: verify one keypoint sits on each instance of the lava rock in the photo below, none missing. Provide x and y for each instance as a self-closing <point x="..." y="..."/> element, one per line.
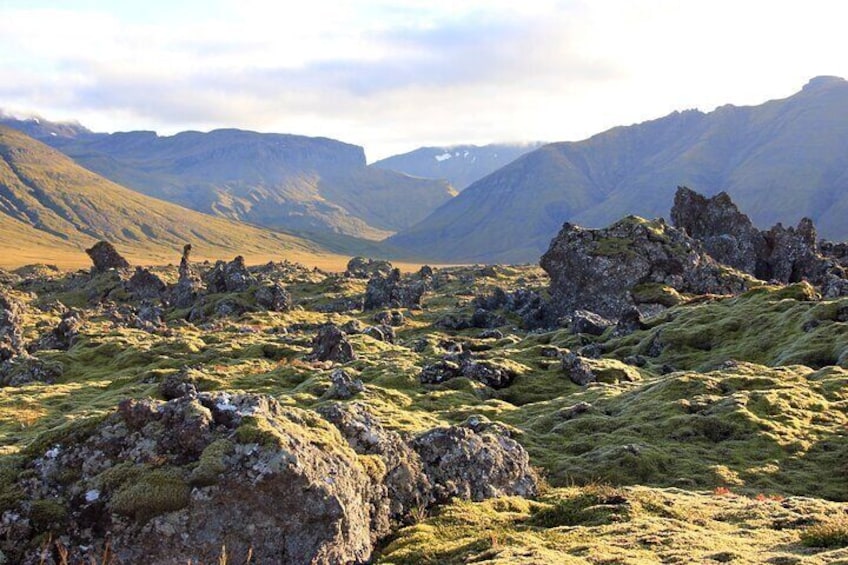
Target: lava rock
<point x="392" y="292"/>
<point x="364" y="268"/>
<point x="343" y="386"/>
<point x="105" y="257"/>
<point x="330" y="345"/>
<point x="577" y="369"/>
<point x="273" y="297"/>
<point x="145" y="285"/>
<point x="585" y="322"/>
<point x="11" y="332"/>
<point x="229" y="277"/>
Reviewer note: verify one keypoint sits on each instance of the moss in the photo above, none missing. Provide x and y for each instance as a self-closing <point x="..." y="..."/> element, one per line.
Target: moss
<point x="374" y="467"/>
<point x="48" y="514"/>
<point x="591" y="506"/>
<point x="832" y="533"/>
<point x="211" y="464"/>
<point x="151" y="494"/>
<point x="655" y="293"/>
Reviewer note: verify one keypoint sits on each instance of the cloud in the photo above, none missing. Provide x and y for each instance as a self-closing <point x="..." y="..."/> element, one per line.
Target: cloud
<point x="394" y="75"/>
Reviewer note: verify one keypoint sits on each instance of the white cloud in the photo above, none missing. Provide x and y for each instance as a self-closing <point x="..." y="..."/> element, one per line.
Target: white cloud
<point x="396" y="75"/>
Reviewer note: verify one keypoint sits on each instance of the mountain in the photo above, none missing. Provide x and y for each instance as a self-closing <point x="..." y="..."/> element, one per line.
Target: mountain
<point x="279" y="181"/>
<point x="460" y="165"/>
<point x="51" y="209"/>
<point x="779" y="161"/>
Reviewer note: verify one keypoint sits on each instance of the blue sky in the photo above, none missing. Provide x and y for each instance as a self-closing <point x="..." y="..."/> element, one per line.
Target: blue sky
<point x="392" y="76"/>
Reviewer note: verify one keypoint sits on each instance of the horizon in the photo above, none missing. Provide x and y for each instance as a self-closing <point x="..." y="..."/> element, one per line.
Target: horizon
<point x="395" y="77"/>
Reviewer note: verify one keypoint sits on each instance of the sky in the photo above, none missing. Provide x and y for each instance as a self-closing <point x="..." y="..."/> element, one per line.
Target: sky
<point x="396" y="75"/>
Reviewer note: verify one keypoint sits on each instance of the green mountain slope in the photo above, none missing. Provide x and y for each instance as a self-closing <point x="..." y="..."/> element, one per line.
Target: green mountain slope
<point x="279" y="181"/>
<point x="779" y="161"/>
<point x="51" y="208"/>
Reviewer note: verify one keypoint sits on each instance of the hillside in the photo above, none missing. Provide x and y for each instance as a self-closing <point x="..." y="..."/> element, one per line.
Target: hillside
<point x="279" y="181"/>
<point x="779" y="161"/>
<point x="51" y="209"/>
<point x="460" y="165"/>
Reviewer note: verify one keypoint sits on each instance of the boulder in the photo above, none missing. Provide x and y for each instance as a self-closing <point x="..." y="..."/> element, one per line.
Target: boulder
<point x="105" y="257"/>
<point x="392" y="292"/>
<point x="596" y="269"/>
<point x="343" y="386"/>
<point x="273" y="297"/>
<point x="64" y="335"/>
<point x="784" y="255"/>
<point x="364" y="268"/>
<point x="585" y="322"/>
<point x="330" y="345"/>
<point x="189" y="286"/>
<point x="577" y="369"/>
<point x="11" y="332"/>
<point x="144" y="285"/>
<point x="174" y="482"/>
<point x="229" y="277"/>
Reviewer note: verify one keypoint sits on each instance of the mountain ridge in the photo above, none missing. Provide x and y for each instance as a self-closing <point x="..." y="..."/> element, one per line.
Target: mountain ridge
<point x="780" y="160"/>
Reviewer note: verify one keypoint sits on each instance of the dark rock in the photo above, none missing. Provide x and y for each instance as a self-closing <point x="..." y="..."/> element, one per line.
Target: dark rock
<point x="381" y="333"/>
<point x="330" y="345"/>
<point x="597" y="269"/>
<point x="785" y="255"/>
<point x="179" y="384"/>
<point x="189" y="286"/>
<point x="491" y="334"/>
<point x="229" y="277"/>
<point x="342" y="304"/>
<point x="439" y="372"/>
<point x="486" y="320"/>
<point x="454" y="322"/>
<point x="64" y="335"/>
<point x="392" y="292"/>
<point x="273" y="297"/>
<point x="585" y="322"/>
<point x="635" y="360"/>
<point x="343" y="386"/>
<point x="352" y="327"/>
<point x="425" y="272"/>
<point x="629" y="322"/>
<point x="389" y="318"/>
<point x="488" y="373"/>
<point x="105" y="257"/>
<point x="11" y="332"/>
<point x="577" y="369"/>
<point x="364" y="268"/>
<point x="575" y="410"/>
<point x="24" y="369"/>
<point x="145" y="285"/>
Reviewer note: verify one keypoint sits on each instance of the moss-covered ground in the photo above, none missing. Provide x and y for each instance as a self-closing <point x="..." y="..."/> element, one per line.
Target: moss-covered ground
<point x="725" y="442"/>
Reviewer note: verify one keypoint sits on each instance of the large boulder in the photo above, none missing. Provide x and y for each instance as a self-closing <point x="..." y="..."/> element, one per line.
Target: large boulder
<point x="330" y="344"/>
<point x="144" y="285"/>
<point x="189" y="285"/>
<point x="785" y="255"/>
<point x="105" y="257"/>
<point x="364" y="268"/>
<point x="599" y="269"/>
<point x="174" y="482"/>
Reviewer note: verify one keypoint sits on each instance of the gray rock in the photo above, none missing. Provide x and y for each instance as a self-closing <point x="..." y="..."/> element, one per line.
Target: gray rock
<point x="330" y="345"/>
<point x="11" y="332"/>
<point x="105" y="257"/>
<point x="585" y="322"/>
<point x="229" y="277"/>
<point x="364" y="268"/>
<point x="144" y="285"/>
<point x="393" y="292"/>
<point x="343" y="386"/>
<point x="577" y="369"/>
<point x="273" y="297"/>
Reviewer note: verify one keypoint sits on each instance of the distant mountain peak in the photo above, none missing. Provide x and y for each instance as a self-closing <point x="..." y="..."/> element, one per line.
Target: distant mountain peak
<point x="823" y="81"/>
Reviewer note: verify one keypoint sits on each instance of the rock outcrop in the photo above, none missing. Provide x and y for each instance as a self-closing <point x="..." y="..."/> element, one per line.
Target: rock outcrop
<point x="391" y="291"/>
<point x="11" y="334"/>
<point x="365" y="268"/>
<point x="188" y="285"/>
<point x="784" y="255"/>
<point x="599" y="270"/>
<point x="143" y="284"/>
<point x="229" y="277"/>
<point x="105" y="257"/>
<point x="174" y="482"/>
<point x="330" y="344"/>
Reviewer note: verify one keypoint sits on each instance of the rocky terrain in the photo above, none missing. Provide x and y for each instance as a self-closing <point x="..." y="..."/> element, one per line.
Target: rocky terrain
<point x="654" y="393"/>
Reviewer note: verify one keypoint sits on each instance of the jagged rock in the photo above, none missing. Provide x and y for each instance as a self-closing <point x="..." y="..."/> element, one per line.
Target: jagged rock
<point x="455" y="322"/>
<point x="585" y="322"/>
<point x="461" y="365"/>
<point x="726" y="233"/>
<point x="179" y="384"/>
<point x="577" y="369"/>
<point x="64" y="335"/>
<point x="364" y="268"/>
<point x="389" y="318"/>
<point x="491" y="334"/>
<point x="343" y="386"/>
<point x="173" y="482"/>
<point x="229" y="277"/>
<point x="460" y="462"/>
<point x="188" y="286"/>
<point x="526" y="303"/>
<point x="330" y="345"/>
<point x="145" y="285"/>
<point x="425" y="272"/>
<point x="273" y="297"/>
<point x="24" y="369"/>
<point x="596" y="270"/>
<point x="342" y="304"/>
<point x="785" y="255"/>
<point x="352" y="327"/>
<point x="392" y="292"/>
<point x="629" y="322"/>
<point x="381" y="333"/>
<point x="105" y="257"/>
<point x="11" y="332"/>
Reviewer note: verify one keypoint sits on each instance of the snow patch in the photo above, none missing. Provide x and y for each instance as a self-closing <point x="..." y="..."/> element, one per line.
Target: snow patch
<point x="443" y="157"/>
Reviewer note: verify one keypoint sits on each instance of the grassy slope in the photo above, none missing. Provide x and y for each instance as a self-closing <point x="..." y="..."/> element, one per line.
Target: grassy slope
<point x="53" y="209"/>
<point x="754" y="427"/>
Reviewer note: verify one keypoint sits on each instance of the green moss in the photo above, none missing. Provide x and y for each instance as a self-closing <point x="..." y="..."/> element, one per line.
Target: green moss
<point x="151" y="494"/>
<point x="48" y="514"/>
<point x="832" y="533"/>
<point x="592" y="506"/>
<point x="655" y="293"/>
<point x="211" y="464"/>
